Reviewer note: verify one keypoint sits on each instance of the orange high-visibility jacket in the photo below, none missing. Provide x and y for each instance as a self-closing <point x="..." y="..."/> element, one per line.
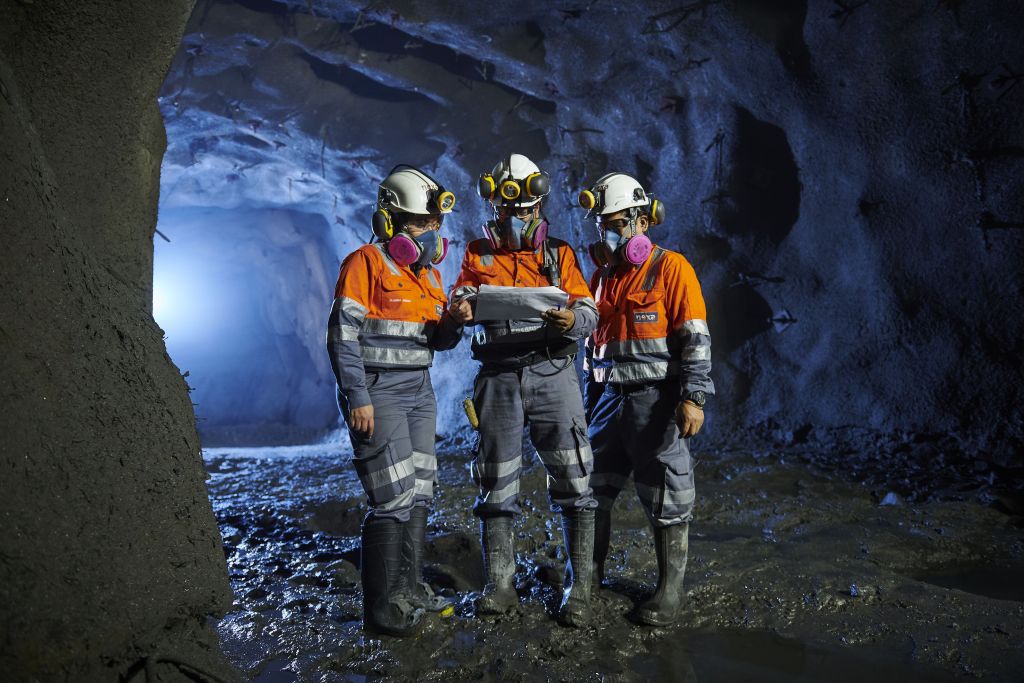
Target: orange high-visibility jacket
<point x="385" y="316"/>
<point x="519" y="342"/>
<point x="652" y="324"/>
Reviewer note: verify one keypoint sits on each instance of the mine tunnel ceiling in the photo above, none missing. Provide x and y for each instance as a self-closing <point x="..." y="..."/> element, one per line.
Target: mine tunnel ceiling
<point x="302" y="107"/>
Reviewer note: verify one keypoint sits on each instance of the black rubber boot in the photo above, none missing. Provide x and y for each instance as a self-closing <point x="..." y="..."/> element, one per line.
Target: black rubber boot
<point x="499" y="594"/>
<point x="420" y="593"/>
<point x="578" y="528"/>
<point x="671" y="543"/>
<point x="386" y="606"/>
<point x="602" y="539"/>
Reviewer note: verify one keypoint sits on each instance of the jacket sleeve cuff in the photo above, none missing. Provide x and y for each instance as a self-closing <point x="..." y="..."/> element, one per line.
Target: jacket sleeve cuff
<point x="692" y="384"/>
<point x="357" y="398"/>
<point x="584" y="321"/>
<point x="452" y="325"/>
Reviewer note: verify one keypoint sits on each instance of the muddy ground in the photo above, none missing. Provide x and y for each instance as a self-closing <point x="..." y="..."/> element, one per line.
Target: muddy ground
<point x="804" y="565"/>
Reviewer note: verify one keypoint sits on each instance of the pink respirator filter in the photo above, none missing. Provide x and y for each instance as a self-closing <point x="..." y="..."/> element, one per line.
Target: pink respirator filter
<point x="637" y="249"/>
<point x="403" y="250"/>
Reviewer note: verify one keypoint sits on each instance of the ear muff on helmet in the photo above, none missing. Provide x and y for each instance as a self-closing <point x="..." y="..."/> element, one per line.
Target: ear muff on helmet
<point x="382" y="224"/>
<point x="486" y="186"/>
<point x="587" y="200"/>
<point x="656" y="211"/>
<point x="537" y="184"/>
<point x="509" y="190"/>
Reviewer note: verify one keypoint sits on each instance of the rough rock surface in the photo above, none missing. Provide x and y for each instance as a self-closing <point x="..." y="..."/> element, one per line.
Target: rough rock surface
<point x="110" y="554"/>
<point x="845" y="177"/>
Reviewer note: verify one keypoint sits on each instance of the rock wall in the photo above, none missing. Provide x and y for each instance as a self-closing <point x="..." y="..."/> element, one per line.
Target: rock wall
<point x="845" y="177"/>
<point x="110" y="554"/>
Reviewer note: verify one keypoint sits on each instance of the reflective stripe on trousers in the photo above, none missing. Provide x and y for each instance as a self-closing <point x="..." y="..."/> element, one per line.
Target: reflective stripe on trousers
<point x="548" y="397"/>
<point x="397" y="465"/>
<point x="634" y="432"/>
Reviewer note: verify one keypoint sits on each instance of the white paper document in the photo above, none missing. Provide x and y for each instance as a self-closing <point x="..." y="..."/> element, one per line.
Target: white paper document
<point x="517" y="303"/>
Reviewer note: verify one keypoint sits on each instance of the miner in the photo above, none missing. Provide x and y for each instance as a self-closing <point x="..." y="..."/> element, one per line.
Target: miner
<point x="527" y="375"/>
<point x="388" y="318"/>
<point x="647" y="378"/>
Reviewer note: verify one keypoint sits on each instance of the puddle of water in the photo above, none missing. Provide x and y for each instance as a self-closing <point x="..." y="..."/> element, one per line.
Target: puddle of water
<point x="769" y="658"/>
<point x="1001" y="581"/>
<point x="276" y="671"/>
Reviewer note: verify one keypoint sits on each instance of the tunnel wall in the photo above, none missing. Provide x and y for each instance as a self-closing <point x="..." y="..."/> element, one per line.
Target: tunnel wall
<point x="844" y="177"/>
<point x="110" y="553"/>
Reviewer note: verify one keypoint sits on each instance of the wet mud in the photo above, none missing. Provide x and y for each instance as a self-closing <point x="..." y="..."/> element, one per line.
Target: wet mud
<point x="794" y="575"/>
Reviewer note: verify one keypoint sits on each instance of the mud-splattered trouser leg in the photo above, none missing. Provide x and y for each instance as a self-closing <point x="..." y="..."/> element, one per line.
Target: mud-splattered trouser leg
<point x="397" y="466"/>
<point x="633" y="430"/>
<point x="549" y="398"/>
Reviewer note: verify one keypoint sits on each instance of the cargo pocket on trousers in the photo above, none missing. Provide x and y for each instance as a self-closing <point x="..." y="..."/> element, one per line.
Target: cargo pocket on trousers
<point x="584" y="455"/>
<point x="678" y="492"/>
<point x="383" y="475"/>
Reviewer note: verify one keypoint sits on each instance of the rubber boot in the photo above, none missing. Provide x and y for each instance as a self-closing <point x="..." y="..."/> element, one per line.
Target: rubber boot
<point x="386" y="606"/>
<point x="499" y="594"/>
<point x="671" y="543"/>
<point x="578" y="528"/>
<point x="602" y="539"/>
<point x="420" y="593"/>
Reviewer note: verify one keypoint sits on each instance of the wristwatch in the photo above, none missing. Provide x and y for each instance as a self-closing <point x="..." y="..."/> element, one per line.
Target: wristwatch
<point x="698" y="398"/>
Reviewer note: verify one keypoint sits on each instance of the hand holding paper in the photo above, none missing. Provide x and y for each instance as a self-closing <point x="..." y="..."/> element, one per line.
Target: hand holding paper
<point x="561" y="319"/>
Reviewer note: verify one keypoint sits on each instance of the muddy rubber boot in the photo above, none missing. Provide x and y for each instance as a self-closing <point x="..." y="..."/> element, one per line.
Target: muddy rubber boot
<point x="386" y="606"/>
<point x="602" y="539"/>
<point x="671" y="543"/>
<point x="499" y="594"/>
<point x="578" y="528"/>
<point x="420" y="593"/>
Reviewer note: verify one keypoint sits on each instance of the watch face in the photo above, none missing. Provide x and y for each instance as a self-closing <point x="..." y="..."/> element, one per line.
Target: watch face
<point x="698" y="397"/>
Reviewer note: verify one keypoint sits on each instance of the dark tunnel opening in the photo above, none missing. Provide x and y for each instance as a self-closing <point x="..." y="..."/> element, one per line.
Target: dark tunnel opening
<point x="763" y="189"/>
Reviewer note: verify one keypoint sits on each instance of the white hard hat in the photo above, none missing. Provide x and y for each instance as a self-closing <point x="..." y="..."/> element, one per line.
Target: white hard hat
<point x="614" y="192"/>
<point x="411" y="190"/>
<point x="515" y="181"/>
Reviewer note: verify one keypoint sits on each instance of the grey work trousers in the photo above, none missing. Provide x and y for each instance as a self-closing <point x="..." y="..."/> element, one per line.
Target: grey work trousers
<point x="546" y="396"/>
<point x="633" y="430"/>
<point x="397" y="465"/>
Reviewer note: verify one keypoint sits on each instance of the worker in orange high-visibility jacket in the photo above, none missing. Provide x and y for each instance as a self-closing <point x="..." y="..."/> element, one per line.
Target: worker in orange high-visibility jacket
<point x="528" y="376"/>
<point x="648" y="364"/>
<point x="388" y="318"/>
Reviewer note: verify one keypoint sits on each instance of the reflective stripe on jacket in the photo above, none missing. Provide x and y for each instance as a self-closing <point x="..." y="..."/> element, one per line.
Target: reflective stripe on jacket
<point x="515" y="341"/>
<point x="385" y="317"/>
<point x="652" y="324"/>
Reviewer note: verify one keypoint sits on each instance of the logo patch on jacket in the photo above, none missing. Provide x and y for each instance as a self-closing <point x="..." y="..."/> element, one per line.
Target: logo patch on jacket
<point x="645" y="317"/>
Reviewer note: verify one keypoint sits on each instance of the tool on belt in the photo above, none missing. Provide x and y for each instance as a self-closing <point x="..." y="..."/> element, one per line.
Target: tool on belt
<point x="470" y="409"/>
